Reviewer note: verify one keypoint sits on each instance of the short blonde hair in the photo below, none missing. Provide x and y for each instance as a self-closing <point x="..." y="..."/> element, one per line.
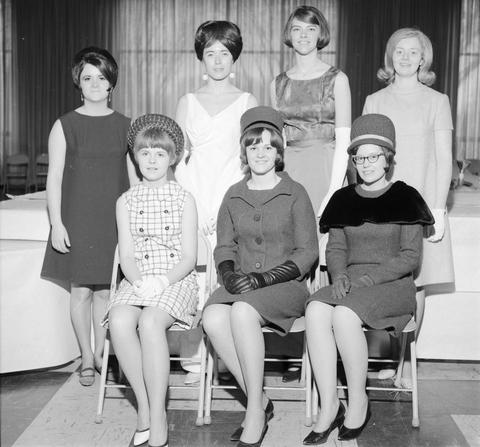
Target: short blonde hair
<point x="386" y="74"/>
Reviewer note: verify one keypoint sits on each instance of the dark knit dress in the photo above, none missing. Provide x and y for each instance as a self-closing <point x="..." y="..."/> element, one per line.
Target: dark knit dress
<point x="95" y="175"/>
<point x="376" y="236"/>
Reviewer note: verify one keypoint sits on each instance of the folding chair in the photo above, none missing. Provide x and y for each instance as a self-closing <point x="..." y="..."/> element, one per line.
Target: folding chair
<point x="16" y="171"/>
<point x="204" y="262"/>
<point x="305" y="376"/>
<point x="410" y="328"/>
<point x="41" y="171"/>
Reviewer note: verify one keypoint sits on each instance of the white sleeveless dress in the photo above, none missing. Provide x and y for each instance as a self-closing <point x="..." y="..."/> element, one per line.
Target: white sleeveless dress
<point x="214" y="163"/>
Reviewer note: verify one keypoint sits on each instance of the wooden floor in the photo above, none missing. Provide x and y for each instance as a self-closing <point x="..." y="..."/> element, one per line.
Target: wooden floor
<point x="49" y="408"/>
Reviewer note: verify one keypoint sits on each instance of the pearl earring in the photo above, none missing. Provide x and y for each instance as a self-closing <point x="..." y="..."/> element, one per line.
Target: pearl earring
<point x="232" y="75"/>
<point x="205" y="77"/>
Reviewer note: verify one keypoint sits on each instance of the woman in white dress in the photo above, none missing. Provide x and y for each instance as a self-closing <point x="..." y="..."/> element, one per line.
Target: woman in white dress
<point x="210" y="120"/>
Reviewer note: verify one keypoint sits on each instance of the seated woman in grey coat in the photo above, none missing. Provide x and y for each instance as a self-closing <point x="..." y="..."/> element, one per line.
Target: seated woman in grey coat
<point x="266" y="244"/>
<point x="375" y="241"/>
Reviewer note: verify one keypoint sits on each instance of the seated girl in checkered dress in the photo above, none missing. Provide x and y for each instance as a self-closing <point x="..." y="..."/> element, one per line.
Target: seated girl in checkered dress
<point x="157" y="239"/>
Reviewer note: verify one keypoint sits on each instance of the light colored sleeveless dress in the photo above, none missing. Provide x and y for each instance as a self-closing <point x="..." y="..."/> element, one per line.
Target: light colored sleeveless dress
<point x="417" y="114"/>
<point x="214" y="164"/>
<point x="156" y="225"/>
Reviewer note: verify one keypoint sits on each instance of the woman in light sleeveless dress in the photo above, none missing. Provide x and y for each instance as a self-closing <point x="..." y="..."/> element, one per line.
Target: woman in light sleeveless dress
<point x="314" y="99"/>
<point x="423" y="122"/>
<point x="210" y="120"/>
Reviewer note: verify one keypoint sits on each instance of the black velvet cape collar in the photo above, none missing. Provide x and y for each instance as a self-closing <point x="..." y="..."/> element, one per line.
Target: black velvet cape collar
<point x="399" y="204"/>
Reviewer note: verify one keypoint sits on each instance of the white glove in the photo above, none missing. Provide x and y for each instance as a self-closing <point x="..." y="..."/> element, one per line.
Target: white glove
<point x="438" y="226"/>
<point x="209" y="226"/>
<point x="339" y="167"/>
<point x="150" y="286"/>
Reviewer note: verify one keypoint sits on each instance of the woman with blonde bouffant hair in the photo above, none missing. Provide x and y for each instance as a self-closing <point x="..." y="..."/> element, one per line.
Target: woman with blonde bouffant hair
<point x="423" y="122"/>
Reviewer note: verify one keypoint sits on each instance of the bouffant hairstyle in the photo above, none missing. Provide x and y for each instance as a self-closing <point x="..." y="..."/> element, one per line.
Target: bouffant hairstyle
<point x="389" y="158"/>
<point x="222" y="31"/>
<point x="98" y="57"/>
<point x="254" y="136"/>
<point x="386" y="74"/>
<point x="308" y="14"/>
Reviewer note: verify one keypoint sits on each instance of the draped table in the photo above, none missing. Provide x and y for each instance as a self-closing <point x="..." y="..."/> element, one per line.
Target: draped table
<point x="35" y="327"/>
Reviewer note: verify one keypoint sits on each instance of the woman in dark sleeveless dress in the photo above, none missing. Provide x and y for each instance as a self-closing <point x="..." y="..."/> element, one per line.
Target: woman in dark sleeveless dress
<point x="87" y="172"/>
<point x="314" y="99"/>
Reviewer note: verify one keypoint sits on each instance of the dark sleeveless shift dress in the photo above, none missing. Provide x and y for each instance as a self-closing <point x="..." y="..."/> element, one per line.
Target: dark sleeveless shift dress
<point x="95" y="175"/>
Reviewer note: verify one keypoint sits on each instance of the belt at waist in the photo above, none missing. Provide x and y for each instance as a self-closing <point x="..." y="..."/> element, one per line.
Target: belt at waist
<point x="311" y="142"/>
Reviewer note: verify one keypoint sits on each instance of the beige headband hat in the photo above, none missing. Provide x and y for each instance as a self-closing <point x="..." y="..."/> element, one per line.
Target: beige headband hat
<point x="372" y="128"/>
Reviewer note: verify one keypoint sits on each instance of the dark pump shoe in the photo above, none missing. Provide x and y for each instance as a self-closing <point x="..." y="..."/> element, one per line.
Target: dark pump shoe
<point x="259" y="442"/>
<point x="347" y="434"/>
<point x="317" y="438"/>
<point x="268" y="412"/>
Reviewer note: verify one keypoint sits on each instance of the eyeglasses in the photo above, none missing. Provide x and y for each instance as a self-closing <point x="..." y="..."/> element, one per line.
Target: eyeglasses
<point x="373" y="158"/>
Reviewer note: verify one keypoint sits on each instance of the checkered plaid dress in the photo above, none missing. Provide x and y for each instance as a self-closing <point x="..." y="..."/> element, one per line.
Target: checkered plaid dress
<point x="156" y="227"/>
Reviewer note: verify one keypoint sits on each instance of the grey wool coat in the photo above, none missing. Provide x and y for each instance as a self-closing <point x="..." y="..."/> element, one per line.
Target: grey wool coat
<point x="260" y="229"/>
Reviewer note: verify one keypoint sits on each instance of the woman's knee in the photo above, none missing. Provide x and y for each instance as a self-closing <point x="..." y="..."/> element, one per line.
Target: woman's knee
<point x="80" y="295"/>
<point x="122" y="319"/>
<point x="215" y="320"/>
<point x="317" y="311"/>
<point x="344" y="317"/>
<point x="244" y="313"/>
<point x="153" y="321"/>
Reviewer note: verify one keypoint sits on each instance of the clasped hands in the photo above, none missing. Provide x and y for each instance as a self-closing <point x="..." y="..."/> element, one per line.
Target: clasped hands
<point x="150" y="286"/>
<point x="237" y="283"/>
<point x="342" y="285"/>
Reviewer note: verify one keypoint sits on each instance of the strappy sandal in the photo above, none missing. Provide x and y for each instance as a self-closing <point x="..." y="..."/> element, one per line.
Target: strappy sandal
<point x="87" y="376"/>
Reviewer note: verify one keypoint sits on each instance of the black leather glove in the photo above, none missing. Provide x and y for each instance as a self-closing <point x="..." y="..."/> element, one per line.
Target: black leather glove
<point x="281" y="273"/>
<point x="340" y="287"/>
<point x="235" y="283"/>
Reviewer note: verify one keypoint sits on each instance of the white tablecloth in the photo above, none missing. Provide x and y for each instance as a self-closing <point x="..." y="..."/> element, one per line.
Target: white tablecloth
<point x="35" y="327"/>
<point x="450" y="327"/>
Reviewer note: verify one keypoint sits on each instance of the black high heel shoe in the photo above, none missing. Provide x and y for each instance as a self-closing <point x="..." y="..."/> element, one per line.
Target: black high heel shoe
<point x="259" y="442"/>
<point x="269" y="413"/>
<point x="347" y="434"/>
<point x="317" y="438"/>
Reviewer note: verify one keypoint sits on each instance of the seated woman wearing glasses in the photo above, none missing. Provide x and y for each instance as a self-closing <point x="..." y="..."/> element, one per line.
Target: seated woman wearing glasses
<point x="375" y="241"/>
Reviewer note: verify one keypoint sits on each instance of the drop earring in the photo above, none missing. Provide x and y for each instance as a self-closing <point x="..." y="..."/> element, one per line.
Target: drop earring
<point x="110" y="96"/>
<point x="205" y="77"/>
<point x="81" y="97"/>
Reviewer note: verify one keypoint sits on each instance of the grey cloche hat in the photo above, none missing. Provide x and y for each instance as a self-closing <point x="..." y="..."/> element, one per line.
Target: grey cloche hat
<point x="372" y="128"/>
<point x="261" y="116"/>
<point x="161" y="122"/>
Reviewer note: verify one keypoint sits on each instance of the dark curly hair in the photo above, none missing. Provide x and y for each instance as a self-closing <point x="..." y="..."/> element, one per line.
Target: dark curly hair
<point x="222" y="31"/>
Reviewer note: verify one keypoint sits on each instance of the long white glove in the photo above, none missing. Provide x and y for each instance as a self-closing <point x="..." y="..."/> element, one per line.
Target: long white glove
<point x="438" y="226"/>
<point x="150" y="286"/>
<point x="339" y="166"/>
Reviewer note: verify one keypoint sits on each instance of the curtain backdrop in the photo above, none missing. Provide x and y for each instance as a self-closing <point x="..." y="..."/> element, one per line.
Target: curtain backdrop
<point x="365" y="26"/>
<point x="158" y="63"/>
<point x="48" y="34"/>
<point x="468" y="104"/>
<point x="153" y="42"/>
<point x="8" y="85"/>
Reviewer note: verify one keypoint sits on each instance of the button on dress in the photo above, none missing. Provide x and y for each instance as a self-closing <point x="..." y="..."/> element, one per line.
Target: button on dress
<point x="157" y="253"/>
